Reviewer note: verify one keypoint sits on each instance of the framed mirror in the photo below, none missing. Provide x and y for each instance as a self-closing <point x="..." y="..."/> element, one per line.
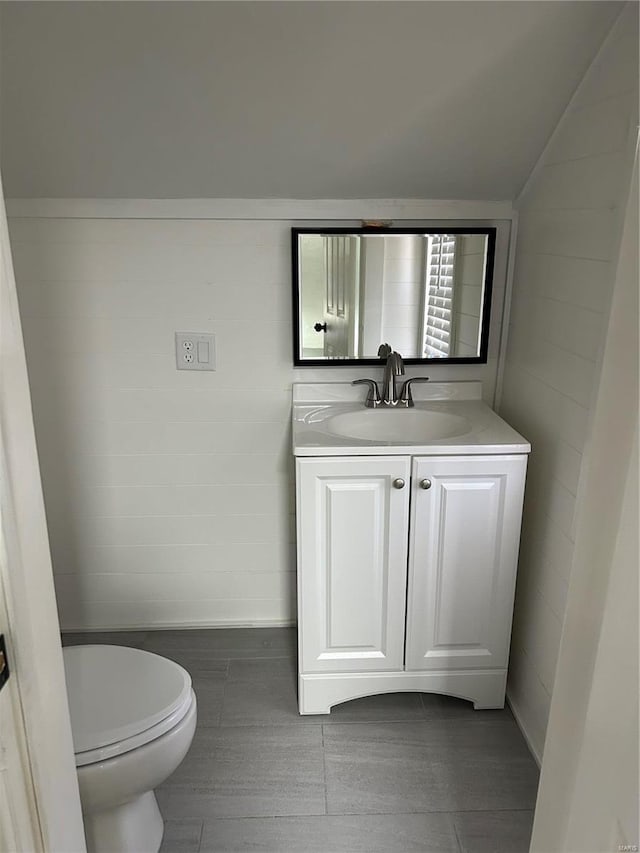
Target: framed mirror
<point x="424" y="291"/>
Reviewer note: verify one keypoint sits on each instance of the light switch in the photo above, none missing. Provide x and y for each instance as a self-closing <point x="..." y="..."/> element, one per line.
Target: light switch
<point x="195" y="351"/>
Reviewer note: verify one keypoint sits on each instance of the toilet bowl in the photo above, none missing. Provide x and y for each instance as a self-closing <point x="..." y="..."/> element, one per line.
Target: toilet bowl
<point x="133" y="716"/>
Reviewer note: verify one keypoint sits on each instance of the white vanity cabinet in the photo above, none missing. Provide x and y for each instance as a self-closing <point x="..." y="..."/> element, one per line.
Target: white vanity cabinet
<point x="406" y="575"/>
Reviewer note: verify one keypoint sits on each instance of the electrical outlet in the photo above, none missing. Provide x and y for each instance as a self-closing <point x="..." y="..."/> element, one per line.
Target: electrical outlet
<point x="195" y="351"/>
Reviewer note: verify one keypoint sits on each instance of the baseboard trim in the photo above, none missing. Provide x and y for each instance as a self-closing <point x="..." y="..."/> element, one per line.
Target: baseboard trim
<point x="518" y="718"/>
<point x="176" y="626"/>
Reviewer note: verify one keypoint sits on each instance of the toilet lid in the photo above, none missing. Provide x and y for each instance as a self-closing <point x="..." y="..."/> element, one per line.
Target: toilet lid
<point x="116" y="693"/>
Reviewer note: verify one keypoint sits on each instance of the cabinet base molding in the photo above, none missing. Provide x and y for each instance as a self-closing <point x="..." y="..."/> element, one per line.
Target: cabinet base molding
<point x="319" y="692"/>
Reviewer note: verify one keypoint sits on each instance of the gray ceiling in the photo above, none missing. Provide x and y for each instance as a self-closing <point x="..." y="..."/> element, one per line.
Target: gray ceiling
<point x="286" y="99"/>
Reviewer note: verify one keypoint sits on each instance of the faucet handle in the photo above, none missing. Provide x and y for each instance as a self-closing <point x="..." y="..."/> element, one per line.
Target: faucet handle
<point x="373" y="397"/>
<point x="406" y="397"/>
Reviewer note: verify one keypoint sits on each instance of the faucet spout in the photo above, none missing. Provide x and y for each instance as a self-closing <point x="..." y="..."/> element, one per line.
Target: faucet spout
<point x="394" y="366"/>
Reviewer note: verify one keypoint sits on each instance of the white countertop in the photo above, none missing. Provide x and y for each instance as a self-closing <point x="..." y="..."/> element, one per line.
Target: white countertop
<point x="314" y="404"/>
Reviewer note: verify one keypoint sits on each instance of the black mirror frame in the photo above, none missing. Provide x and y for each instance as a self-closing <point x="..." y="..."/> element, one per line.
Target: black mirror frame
<point x="489" y="232"/>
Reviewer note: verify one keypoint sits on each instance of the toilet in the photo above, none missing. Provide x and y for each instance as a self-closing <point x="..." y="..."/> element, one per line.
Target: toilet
<point x="133" y="716"/>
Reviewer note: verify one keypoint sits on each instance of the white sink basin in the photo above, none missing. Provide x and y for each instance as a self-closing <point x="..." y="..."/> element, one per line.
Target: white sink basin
<point x="449" y="418"/>
<point x="400" y="425"/>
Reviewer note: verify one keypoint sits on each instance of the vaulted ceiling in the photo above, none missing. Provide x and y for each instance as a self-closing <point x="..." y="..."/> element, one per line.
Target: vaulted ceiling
<point x="286" y="99"/>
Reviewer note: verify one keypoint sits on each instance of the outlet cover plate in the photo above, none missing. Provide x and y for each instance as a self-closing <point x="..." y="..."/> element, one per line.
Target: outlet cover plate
<point x="195" y="351"/>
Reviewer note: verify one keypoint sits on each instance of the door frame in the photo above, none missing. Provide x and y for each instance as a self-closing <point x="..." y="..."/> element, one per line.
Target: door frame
<point x="26" y="579"/>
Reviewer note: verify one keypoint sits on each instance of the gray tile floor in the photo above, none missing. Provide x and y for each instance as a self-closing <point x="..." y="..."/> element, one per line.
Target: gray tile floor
<point x="388" y="774"/>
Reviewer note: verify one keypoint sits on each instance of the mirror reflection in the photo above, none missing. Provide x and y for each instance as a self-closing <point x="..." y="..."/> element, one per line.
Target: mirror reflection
<point x="425" y="292"/>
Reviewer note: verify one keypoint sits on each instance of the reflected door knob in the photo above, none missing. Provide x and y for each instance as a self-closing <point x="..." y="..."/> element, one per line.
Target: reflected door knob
<point x="399" y="483"/>
<point x="320" y="327"/>
<point x="425" y="484"/>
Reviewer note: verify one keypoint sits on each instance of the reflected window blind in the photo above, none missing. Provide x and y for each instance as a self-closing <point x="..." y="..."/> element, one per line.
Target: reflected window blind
<point x="438" y="307"/>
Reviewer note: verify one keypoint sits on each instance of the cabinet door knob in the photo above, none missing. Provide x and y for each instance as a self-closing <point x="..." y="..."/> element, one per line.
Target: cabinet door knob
<point x="399" y="483"/>
<point x="425" y="484"/>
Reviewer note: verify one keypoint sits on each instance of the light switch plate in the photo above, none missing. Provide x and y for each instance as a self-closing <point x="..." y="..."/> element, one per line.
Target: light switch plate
<point x="195" y="351"/>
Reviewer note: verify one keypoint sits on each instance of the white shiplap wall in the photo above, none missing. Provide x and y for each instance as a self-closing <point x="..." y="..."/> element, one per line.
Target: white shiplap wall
<point x="565" y="261"/>
<point x="170" y="494"/>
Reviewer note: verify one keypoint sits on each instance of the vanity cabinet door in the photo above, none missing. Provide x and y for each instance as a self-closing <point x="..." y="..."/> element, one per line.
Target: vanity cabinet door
<point x="465" y="522"/>
<point x="352" y="517"/>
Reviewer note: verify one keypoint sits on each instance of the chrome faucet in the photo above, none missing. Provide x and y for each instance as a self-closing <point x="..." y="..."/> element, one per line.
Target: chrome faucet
<point x="394" y="367"/>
